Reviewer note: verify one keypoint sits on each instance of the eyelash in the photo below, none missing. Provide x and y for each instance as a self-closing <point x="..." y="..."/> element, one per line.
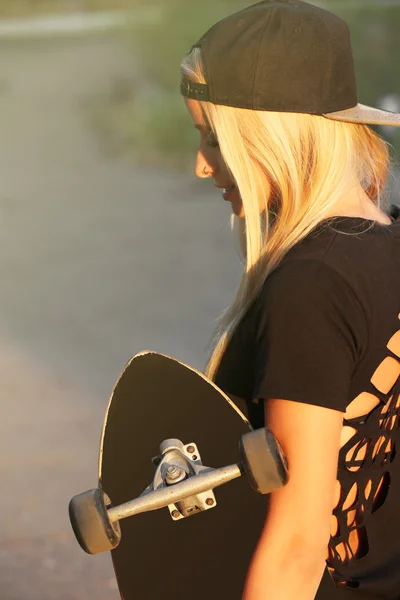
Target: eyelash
<point x="212" y="141"/>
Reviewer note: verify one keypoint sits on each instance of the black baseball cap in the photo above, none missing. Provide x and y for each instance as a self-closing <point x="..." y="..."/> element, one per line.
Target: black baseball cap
<point x="283" y="56"/>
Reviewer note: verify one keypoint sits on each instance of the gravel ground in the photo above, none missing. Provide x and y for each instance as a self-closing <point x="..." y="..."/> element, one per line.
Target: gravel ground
<point x="51" y="568"/>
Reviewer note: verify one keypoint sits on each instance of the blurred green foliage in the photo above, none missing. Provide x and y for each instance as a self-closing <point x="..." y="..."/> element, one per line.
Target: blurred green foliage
<point x="151" y="131"/>
<point x="24" y="8"/>
<point x="161" y="46"/>
<point x="376" y="43"/>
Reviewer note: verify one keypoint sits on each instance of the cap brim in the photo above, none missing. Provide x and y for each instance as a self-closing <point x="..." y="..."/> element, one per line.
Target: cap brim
<point x="366" y="115"/>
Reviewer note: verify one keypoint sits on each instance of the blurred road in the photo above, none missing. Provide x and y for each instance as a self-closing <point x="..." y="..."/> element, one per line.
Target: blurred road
<point x="99" y="259"/>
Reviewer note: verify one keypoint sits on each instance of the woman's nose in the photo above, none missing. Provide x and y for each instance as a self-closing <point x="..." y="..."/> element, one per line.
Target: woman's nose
<point x="203" y="168"/>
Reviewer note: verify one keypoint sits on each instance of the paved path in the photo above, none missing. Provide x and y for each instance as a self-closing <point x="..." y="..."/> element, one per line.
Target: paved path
<point x="99" y="259"/>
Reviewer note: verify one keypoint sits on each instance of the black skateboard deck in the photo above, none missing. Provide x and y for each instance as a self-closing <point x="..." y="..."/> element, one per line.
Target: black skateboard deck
<point x="204" y="556"/>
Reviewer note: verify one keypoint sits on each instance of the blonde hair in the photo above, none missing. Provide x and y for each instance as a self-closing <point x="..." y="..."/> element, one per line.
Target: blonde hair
<point x="307" y="161"/>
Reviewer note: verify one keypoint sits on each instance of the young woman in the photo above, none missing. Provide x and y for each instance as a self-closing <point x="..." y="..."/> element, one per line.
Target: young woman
<point x="311" y="343"/>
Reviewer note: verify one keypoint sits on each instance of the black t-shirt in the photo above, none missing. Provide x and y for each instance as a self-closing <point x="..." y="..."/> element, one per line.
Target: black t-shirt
<point x="325" y="330"/>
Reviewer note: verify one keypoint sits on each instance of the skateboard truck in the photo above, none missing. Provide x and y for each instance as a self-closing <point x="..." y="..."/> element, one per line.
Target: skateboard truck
<point x="181" y="483"/>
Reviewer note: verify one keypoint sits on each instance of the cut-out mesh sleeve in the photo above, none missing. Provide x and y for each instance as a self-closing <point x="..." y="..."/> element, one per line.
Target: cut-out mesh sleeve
<point x="311" y="331"/>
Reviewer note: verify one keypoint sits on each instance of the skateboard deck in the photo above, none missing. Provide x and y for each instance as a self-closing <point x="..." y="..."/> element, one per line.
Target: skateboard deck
<point x="202" y="556"/>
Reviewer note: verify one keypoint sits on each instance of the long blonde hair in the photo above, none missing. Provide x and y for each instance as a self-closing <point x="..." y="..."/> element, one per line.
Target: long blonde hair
<point x="309" y="163"/>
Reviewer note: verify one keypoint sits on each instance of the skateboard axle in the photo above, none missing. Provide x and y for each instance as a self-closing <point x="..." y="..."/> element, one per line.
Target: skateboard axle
<point x="160" y="498"/>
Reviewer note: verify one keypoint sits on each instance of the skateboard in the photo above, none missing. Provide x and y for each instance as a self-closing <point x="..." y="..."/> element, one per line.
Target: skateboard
<point x="183" y="485"/>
